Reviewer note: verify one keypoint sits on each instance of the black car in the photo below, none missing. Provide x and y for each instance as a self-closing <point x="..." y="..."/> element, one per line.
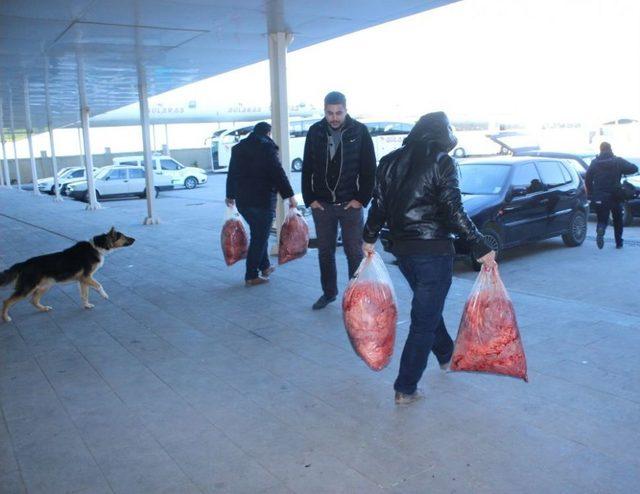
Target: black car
<point x="517" y="200"/>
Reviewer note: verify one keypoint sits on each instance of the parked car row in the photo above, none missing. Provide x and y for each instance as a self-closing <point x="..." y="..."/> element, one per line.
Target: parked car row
<point x="126" y="177"/>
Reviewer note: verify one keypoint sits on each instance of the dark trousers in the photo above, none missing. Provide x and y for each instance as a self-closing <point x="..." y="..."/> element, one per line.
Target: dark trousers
<point x="603" y="210"/>
<point x="430" y="278"/>
<point x="260" y="221"/>
<point x="351" y="224"/>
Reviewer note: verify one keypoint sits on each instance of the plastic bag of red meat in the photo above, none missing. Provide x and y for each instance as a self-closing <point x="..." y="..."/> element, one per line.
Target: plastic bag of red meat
<point x="234" y="238"/>
<point x="370" y="313"/>
<point x="294" y="237"/>
<point x="488" y="339"/>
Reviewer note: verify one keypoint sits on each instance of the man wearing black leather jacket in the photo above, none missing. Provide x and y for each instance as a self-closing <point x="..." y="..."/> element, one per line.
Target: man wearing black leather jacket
<point x="338" y="173"/>
<point x="417" y="196"/>
<point x="603" y="186"/>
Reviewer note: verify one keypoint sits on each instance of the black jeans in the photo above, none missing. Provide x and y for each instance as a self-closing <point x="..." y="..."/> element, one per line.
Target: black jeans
<point x="352" y="225"/>
<point x="429" y="277"/>
<point x="603" y="209"/>
<point x="260" y="221"/>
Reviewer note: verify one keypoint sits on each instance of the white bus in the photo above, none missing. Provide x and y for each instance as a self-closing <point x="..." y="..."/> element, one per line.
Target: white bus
<point x="386" y="136"/>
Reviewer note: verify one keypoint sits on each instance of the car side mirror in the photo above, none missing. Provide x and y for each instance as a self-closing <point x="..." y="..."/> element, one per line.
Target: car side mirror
<point x="107" y="177"/>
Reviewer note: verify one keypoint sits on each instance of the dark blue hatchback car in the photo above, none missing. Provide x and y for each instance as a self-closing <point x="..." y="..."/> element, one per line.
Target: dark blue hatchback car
<point x="517" y="200"/>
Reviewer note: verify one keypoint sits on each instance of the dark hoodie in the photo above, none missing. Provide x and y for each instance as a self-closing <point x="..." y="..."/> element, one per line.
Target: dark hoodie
<point x="604" y="175"/>
<point x="417" y="194"/>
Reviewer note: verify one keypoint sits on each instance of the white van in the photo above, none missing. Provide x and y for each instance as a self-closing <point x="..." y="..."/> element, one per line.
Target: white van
<point x="189" y="176"/>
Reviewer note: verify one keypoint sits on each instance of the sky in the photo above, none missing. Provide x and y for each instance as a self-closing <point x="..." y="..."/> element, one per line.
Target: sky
<point x="527" y="61"/>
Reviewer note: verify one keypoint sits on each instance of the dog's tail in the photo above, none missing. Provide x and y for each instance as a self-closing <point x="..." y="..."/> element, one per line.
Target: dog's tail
<point x="10" y="275"/>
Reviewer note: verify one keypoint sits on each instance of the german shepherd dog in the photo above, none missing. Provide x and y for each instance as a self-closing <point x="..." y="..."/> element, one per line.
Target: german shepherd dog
<point x="78" y="263"/>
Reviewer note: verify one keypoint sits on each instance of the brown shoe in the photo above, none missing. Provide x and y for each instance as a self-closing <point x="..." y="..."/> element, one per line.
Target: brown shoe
<point x="405" y="399"/>
<point x="268" y="271"/>
<point x="256" y="281"/>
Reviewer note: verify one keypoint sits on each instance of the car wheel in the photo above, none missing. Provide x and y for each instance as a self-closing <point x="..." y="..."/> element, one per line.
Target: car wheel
<point x="577" y="230"/>
<point x="627" y="215"/>
<point x="459" y="152"/>
<point x="190" y="182"/>
<point x="86" y="197"/>
<point x="492" y="238"/>
<point x="53" y="190"/>
<point x="296" y="165"/>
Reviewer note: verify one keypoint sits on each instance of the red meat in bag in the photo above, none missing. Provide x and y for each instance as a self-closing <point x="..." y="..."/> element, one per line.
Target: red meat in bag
<point x="488" y="339"/>
<point x="294" y="237"/>
<point x="234" y="238"/>
<point x="370" y="313"/>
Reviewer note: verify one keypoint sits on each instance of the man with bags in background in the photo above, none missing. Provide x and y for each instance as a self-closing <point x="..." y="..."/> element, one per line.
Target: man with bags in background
<point x="605" y="191"/>
<point x="255" y="176"/>
<point x="417" y="196"/>
<point x="338" y="172"/>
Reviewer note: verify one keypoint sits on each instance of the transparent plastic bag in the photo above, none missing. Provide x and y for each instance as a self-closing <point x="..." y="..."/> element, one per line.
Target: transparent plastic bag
<point x="488" y="338"/>
<point x="234" y="238"/>
<point x="370" y="313"/>
<point x="294" y="237"/>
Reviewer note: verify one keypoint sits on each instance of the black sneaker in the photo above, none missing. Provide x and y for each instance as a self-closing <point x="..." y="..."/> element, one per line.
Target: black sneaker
<point x="600" y="239"/>
<point x="619" y="244"/>
<point x="322" y="302"/>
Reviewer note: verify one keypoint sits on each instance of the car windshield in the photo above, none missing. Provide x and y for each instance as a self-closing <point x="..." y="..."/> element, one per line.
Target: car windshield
<point x="66" y="173"/>
<point x="483" y="179"/>
<point x="102" y="172"/>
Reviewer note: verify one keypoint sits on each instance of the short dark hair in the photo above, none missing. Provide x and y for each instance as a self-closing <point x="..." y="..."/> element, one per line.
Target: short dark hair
<point x="605" y="147"/>
<point x="262" y="128"/>
<point x="335" y="98"/>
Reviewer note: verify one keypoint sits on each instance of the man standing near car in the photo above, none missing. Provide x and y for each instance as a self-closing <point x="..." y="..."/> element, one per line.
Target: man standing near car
<point x="338" y="173"/>
<point x="255" y="176"/>
<point x="417" y="196"/>
<point x="605" y="191"/>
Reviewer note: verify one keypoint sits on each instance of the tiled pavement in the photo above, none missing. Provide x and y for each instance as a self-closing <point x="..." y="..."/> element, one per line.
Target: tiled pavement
<point x="185" y="381"/>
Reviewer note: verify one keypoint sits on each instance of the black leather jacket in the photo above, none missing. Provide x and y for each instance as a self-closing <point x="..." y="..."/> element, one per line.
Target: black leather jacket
<point x="417" y="195"/>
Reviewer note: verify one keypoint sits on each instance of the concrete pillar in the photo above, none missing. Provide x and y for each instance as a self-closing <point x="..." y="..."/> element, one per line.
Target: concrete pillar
<point x="278" y="43"/>
<point x="54" y="160"/>
<point x="165" y="147"/>
<point x="13" y="139"/>
<point x="29" y="128"/>
<point x="5" y="161"/>
<point x="84" y="117"/>
<point x="151" y="218"/>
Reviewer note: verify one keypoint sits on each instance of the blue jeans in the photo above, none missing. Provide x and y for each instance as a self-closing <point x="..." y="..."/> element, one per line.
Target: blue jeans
<point x="260" y="221"/>
<point x="430" y="279"/>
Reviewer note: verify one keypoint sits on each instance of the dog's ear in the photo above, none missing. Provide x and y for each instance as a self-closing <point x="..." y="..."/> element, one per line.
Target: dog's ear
<point x="112" y="232"/>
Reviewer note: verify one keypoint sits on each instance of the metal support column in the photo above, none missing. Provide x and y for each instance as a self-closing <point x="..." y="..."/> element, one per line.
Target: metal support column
<point x="5" y="161"/>
<point x="151" y="219"/>
<point x="29" y="128"/>
<point x="278" y="43"/>
<point x="84" y="117"/>
<point x="54" y="161"/>
<point x="13" y="139"/>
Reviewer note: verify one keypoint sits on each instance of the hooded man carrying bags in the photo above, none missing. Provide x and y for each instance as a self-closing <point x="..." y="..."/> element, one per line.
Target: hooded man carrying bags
<point x="417" y="196"/>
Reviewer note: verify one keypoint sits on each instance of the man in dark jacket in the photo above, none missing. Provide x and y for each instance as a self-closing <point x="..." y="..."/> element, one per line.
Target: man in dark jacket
<point x="417" y="196"/>
<point x="255" y="175"/>
<point x="338" y="173"/>
<point x="604" y="189"/>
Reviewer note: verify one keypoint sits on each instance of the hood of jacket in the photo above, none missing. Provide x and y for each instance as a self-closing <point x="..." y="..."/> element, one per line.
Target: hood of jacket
<point x="434" y="130"/>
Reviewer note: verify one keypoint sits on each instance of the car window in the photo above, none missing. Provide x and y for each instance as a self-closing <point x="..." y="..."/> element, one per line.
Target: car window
<point x="575" y="164"/>
<point x="118" y="174"/>
<point x="77" y="174"/>
<point x="482" y="178"/>
<point x="128" y="163"/>
<point x="551" y="173"/>
<point x="136" y="173"/>
<point x="526" y="176"/>
<point x="169" y="165"/>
